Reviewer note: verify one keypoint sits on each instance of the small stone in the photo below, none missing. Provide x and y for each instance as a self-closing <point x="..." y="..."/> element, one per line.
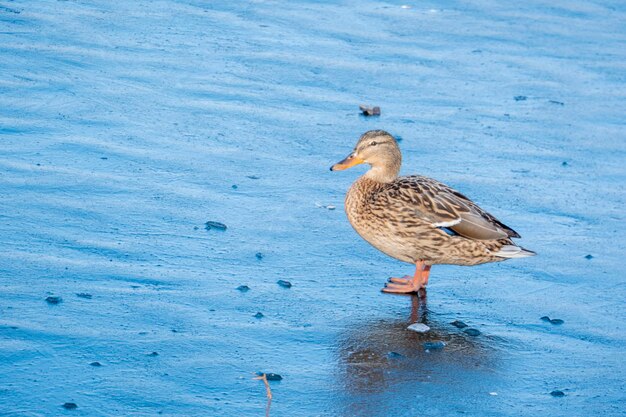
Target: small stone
<point x="520" y="98"/>
<point x="211" y="225"/>
<point x="394" y="355"/>
<point x="283" y="283"/>
<point x="259" y="315"/>
<point x="589" y="256"/>
<point x="234" y="186"/>
<point x="459" y="324"/>
<point x="437" y="345"/>
<point x="557" y="393"/>
<point x="70" y="406"/>
<point x="370" y="111"/>
<point x="545" y="318"/>
<point x="270" y="376"/>
<point x="53" y="300"/>
<point x="243" y="288"/>
<point x="419" y="328"/>
<point x="471" y="332"/>
<point x="153" y="354"/>
<point x="84" y="295"/>
<point x="96" y="364"/>
<point x="558" y="322"/>
<point x="259" y="255"/>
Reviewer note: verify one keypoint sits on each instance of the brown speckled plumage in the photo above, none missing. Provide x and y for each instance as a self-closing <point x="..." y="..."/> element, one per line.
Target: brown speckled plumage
<point x="416" y="218"/>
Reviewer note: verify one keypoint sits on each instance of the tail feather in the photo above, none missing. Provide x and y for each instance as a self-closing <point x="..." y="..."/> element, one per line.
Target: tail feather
<point x="512" y="251"/>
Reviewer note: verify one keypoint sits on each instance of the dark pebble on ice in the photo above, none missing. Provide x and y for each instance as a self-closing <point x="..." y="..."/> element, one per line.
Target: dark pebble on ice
<point x="104" y="158"/>
<point x="557" y="322"/>
<point x="557" y="393"/>
<point x="210" y="225"/>
<point x="459" y="324"/>
<point x="520" y="98"/>
<point x="589" y="256"/>
<point x="564" y="164"/>
<point x="96" y="364"/>
<point x="283" y="283"/>
<point x="53" y="300"/>
<point x="10" y="10"/>
<point x="70" y="406"/>
<point x="234" y="186"/>
<point x="370" y="111"/>
<point x="259" y="315"/>
<point x="394" y="355"/>
<point x="438" y="345"/>
<point x="270" y="376"/>
<point x="243" y="288"/>
<point x="153" y="354"/>
<point x="259" y="255"/>
<point x="472" y="332"/>
<point x="253" y="177"/>
<point x="84" y="295"/>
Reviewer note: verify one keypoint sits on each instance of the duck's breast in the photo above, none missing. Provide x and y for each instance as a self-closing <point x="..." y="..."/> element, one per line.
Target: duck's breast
<point x="377" y="225"/>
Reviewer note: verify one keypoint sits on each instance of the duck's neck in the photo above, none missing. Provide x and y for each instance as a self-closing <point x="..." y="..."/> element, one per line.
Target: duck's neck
<point x="383" y="173"/>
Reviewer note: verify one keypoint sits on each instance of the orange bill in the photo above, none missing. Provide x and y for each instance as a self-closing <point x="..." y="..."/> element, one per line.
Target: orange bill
<point x="349" y="162"/>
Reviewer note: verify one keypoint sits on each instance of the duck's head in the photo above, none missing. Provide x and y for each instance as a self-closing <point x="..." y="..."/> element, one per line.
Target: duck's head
<point x="378" y="149"/>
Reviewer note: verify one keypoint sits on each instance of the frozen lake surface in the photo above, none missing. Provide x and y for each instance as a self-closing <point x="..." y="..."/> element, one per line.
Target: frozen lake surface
<point x="126" y="125"/>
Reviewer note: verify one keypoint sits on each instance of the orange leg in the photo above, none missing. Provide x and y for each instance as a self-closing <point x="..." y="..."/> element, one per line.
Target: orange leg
<point x="407" y="284"/>
<point x="425" y="275"/>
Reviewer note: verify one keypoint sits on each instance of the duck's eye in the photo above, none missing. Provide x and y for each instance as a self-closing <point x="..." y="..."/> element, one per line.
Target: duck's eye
<point x="373" y="143"/>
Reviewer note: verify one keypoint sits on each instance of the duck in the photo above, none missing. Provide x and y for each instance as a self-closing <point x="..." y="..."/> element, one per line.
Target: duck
<point x="419" y="220"/>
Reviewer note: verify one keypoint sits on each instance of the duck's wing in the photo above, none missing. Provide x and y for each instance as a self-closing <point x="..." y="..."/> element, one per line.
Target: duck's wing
<point x="445" y="207"/>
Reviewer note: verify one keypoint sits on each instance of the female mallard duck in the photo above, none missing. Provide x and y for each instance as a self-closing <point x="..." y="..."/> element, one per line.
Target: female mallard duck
<point x="417" y="219"/>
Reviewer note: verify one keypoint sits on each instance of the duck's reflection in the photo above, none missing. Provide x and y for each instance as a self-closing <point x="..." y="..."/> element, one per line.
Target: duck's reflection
<point x="383" y="360"/>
